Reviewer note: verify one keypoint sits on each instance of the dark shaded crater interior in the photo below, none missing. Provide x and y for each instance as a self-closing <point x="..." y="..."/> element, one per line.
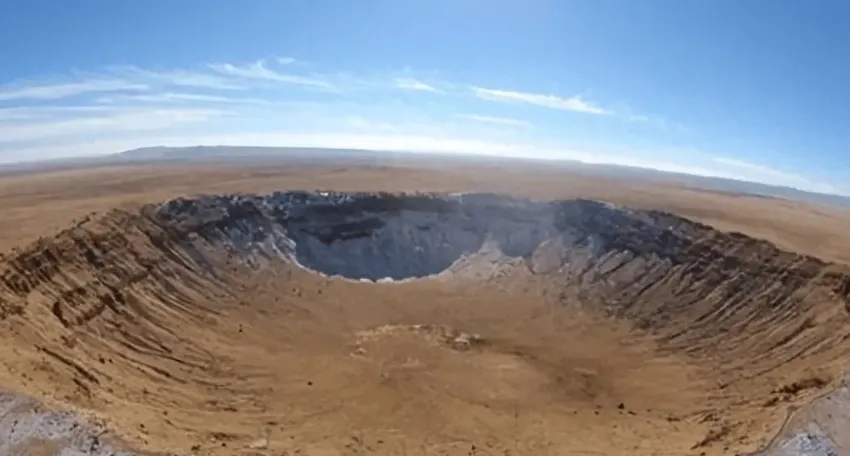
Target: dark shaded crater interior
<point x="376" y="236"/>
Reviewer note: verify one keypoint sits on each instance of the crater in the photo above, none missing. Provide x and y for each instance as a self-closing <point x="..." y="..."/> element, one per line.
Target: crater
<point x="387" y="236"/>
<point x="517" y="323"/>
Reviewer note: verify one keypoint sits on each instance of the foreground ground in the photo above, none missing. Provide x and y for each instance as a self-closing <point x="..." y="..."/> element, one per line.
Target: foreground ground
<point x="287" y="362"/>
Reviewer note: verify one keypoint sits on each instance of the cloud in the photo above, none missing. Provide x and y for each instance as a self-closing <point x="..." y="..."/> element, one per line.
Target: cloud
<point x="41" y="111"/>
<point x="177" y="77"/>
<point x="765" y="174"/>
<point x="259" y="71"/>
<point x="121" y="120"/>
<point x="180" y="97"/>
<point x="574" y="103"/>
<point x="16" y="114"/>
<point x="414" y="84"/>
<point x="497" y="120"/>
<point x="655" y="121"/>
<point x="33" y="91"/>
<point x="363" y="123"/>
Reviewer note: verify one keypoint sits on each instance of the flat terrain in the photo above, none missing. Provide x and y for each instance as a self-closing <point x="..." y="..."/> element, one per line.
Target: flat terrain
<point x="286" y="362"/>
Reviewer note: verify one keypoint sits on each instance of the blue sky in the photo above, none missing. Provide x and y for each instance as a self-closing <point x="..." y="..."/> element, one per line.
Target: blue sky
<point x="755" y="90"/>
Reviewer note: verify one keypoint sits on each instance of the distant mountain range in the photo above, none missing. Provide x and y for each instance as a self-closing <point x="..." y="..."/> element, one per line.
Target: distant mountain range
<point x="304" y="155"/>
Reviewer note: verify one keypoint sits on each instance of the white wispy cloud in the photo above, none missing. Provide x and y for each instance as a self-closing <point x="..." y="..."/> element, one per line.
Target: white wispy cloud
<point x="259" y="71"/>
<point x="497" y="120"/>
<point x="414" y="84"/>
<point x="121" y="120"/>
<point x="181" y="97"/>
<point x="36" y="91"/>
<point x="30" y="113"/>
<point x="655" y="121"/>
<point x="574" y="103"/>
<point x="765" y="174"/>
<point x="9" y="114"/>
<point x="364" y="123"/>
<point x="177" y="77"/>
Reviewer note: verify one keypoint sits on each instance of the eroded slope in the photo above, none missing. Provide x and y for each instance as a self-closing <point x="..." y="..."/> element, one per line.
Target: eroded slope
<point x="695" y="286"/>
<point x="191" y="311"/>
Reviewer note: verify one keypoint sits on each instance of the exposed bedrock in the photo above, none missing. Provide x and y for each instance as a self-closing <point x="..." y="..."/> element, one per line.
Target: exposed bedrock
<point x="28" y="428"/>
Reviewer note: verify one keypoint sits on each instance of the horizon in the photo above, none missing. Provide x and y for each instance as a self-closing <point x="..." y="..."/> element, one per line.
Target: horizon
<point x="653" y="86"/>
<point x="704" y="184"/>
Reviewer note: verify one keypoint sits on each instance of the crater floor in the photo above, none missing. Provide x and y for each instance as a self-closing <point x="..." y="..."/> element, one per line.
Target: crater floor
<point x="241" y="324"/>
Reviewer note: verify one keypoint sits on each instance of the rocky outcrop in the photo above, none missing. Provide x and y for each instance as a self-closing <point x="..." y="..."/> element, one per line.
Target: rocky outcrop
<point x="27" y="428"/>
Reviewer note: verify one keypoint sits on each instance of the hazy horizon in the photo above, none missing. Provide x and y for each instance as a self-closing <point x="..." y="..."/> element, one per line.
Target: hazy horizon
<point x="253" y="155"/>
